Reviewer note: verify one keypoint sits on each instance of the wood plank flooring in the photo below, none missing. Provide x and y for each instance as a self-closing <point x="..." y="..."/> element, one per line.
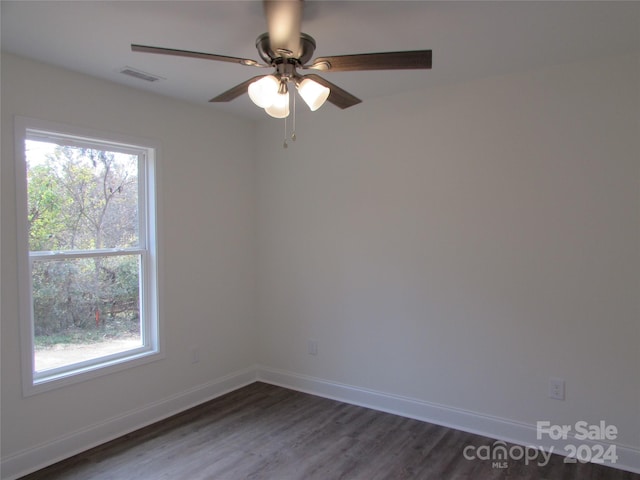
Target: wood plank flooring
<point x="266" y="432"/>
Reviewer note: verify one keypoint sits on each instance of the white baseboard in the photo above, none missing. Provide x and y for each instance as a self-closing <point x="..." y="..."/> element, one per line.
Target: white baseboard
<point x="496" y="428"/>
<point x="42" y="455"/>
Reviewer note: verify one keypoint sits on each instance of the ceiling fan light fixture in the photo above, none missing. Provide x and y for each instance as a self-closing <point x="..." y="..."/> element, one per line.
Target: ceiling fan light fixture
<point x="286" y="48"/>
<point x="263" y="92"/>
<point x="313" y="94"/>
<point x="280" y="106"/>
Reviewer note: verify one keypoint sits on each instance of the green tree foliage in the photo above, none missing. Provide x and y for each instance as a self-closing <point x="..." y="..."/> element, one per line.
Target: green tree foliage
<point x="45" y="205"/>
<point x="83" y="199"/>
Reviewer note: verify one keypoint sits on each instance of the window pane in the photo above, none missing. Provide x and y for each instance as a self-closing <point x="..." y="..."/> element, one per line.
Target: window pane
<point x="87" y="242"/>
<point x="81" y="198"/>
<point x="85" y="308"/>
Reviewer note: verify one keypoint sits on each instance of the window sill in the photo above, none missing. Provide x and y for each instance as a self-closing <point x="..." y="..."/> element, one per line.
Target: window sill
<point x="107" y="366"/>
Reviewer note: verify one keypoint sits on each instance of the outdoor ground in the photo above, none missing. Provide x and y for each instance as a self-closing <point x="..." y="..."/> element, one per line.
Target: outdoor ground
<point x="67" y="353"/>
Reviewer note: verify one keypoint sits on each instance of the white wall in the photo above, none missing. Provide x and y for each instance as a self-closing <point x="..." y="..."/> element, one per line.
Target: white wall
<point x="460" y="245"/>
<point x="456" y="246"/>
<point x="206" y="238"/>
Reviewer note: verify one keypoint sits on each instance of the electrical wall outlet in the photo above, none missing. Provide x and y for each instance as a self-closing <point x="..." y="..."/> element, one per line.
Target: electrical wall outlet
<point x="312" y="347"/>
<point x="556" y="388"/>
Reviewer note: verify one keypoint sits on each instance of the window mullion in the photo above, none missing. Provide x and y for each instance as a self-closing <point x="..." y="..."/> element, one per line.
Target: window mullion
<point x="85" y="253"/>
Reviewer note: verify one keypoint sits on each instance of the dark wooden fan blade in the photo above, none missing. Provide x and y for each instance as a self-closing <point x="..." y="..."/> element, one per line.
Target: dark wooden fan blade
<point x="283" y="23"/>
<point x="339" y="97"/>
<point x="190" y="54"/>
<point x="235" y="91"/>
<point x="410" y="60"/>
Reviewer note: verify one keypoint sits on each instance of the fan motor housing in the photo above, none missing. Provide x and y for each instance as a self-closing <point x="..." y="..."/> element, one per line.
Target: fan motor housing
<point x="307" y="47"/>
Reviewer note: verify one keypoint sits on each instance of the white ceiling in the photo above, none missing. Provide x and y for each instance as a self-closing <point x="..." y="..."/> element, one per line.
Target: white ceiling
<point x="469" y="39"/>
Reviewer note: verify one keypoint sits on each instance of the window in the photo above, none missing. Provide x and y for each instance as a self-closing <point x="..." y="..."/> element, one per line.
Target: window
<point x="88" y="262"/>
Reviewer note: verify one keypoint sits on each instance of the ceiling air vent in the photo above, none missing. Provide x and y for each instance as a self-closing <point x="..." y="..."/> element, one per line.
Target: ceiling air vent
<point x="132" y="72"/>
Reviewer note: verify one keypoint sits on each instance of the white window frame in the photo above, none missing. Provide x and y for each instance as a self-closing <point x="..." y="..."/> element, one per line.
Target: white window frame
<point x="151" y="350"/>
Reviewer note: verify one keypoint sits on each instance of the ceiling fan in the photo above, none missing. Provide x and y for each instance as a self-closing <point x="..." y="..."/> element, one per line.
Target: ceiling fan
<point x="286" y="49"/>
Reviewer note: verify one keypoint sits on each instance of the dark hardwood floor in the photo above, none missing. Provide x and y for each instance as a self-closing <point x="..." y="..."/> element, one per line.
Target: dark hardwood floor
<point x="267" y="432"/>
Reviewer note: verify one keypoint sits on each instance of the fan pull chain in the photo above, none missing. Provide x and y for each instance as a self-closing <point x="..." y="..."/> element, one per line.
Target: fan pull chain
<point x="293" y="133"/>
<point x="284" y="144"/>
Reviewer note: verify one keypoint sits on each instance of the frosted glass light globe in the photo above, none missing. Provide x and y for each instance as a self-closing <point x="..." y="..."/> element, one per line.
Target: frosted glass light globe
<point x="280" y="106"/>
<point x="313" y="93"/>
<point x="263" y="92"/>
